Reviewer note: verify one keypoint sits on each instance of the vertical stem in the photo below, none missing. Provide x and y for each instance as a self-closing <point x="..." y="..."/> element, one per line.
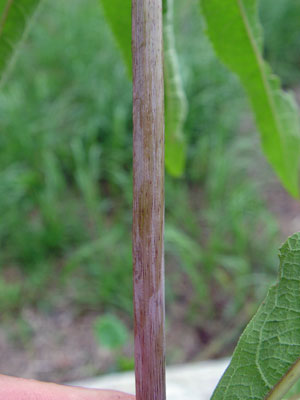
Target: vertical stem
<point x="148" y="198"/>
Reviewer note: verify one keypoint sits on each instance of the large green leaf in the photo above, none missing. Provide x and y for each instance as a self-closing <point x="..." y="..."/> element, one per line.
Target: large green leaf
<point x="118" y="16"/>
<point x="175" y="100"/>
<point x="14" y="18"/>
<point x="234" y="30"/>
<point x="266" y="362"/>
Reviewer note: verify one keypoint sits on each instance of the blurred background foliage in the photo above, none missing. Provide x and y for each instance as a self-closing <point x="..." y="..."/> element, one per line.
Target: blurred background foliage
<point x="66" y="184"/>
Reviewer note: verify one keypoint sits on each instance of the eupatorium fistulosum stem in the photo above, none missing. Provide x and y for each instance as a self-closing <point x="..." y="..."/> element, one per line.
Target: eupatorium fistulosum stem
<point x="148" y="198"/>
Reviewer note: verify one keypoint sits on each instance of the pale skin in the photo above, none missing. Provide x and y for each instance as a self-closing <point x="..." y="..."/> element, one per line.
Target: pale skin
<point x="26" y="389"/>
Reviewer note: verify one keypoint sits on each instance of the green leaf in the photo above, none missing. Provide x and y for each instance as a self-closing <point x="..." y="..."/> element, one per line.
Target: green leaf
<point x="118" y="16"/>
<point x="14" y="18"/>
<point x="175" y="99"/>
<point x="110" y="332"/>
<point x="266" y="362"/>
<point x="234" y="30"/>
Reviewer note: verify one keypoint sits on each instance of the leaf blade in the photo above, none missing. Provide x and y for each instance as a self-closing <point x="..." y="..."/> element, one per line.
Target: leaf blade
<point x="118" y="16"/>
<point x="175" y="99"/>
<point x="14" y="18"/>
<point x="235" y="33"/>
<point x="266" y="361"/>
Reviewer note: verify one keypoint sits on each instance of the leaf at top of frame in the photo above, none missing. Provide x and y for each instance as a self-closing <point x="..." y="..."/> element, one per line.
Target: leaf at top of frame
<point x="118" y="16"/>
<point x="235" y="32"/>
<point x="175" y="98"/>
<point x="15" y="16"/>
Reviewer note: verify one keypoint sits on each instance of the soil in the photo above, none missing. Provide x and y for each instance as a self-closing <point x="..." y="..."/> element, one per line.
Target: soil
<point x="57" y="347"/>
<point x="61" y="346"/>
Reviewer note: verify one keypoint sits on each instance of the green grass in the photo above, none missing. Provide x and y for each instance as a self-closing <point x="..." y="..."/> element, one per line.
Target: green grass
<point x="66" y="176"/>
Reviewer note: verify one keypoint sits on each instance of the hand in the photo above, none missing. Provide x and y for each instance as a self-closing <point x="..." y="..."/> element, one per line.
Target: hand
<point x="27" y="389"/>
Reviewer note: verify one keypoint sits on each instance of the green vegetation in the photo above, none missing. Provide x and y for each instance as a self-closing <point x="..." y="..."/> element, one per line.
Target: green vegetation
<point x="111" y="332"/>
<point x="65" y="175"/>
<point x="118" y="15"/>
<point x="276" y="113"/>
<point x="12" y="30"/>
<point x="282" y="37"/>
<point x="265" y="363"/>
<point x="175" y="99"/>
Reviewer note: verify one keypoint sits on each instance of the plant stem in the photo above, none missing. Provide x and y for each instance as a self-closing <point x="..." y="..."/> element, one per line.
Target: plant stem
<point x="148" y="199"/>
